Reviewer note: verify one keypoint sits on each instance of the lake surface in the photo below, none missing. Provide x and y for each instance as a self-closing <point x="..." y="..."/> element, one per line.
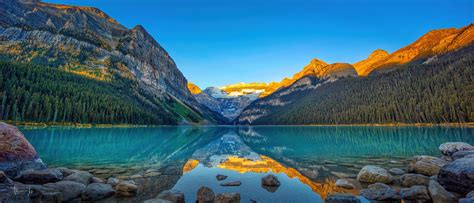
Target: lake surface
<point x="307" y="160"/>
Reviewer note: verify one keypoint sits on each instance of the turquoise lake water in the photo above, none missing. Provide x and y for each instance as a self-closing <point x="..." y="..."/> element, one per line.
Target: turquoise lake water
<point x="307" y="160"/>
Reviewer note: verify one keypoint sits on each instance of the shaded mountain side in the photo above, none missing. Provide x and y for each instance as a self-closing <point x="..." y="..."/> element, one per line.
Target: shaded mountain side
<point x="86" y="41"/>
<point x="437" y="90"/>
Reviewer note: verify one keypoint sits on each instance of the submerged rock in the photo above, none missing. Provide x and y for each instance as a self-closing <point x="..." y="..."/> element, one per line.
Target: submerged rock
<point x="380" y="192"/>
<point x="205" y="195"/>
<point x="373" y="174"/>
<point x="172" y="195"/>
<point x="233" y="183"/>
<point x="411" y="179"/>
<point x="416" y="193"/>
<point x="463" y="154"/>
<point x="227" y="198"/>
<point x="39" y="176"/>
<point x="126" y="189"/>
<point x="342" y="198"/>
<point x="458" y="176"/>
<point x="439" y="194"/>
<point x="96" y="180"/>
<point x="80" y="177"/>
<point x="69" y="189"/>
<point x="270" y="180"/>
<point x="426" y="165"/>
<point x="97" y="191"/>
<point x="220" y="177"/>
<point x="449" y="148"/>
<point x="113" y="181"/>
<point x="344" y="184"/>
<point x="396" y="171"/>
<point x="16" y="153"/>
<point x="66" y="171"/>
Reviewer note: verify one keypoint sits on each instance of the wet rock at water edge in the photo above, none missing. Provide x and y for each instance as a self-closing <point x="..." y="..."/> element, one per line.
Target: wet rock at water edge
<point x="458" y="176"/>
<point x="227" y="198"/>
<point x="80" y="177"/>
<point x="97" y="191"/>
<point x="417" y="193"/>
<point x="411" y="179"/>
<point x="113" y="181"/>
<point x="66" y="171"/>
<point x="233" y="183"/>
<point x="380" y="192"/>
<point x="396" y="171"/>
<point x="449" y="148"/>
<point x="374" y="174"/>
<point x="220" y="177"/>
<point x="270" y="180"/>
<point x="439" y="194"/>
<point x="426" y="165"/>
<point x="205" y="195"/>
<point x="126" y="189"/>
<point x="96" y="180"/>
<point x="342" y="198"/>
<point x="344" y="184"/>
<point x="463" y="154"/>
<point x="172" y="195"/>
<point x="39" y="176"/>
<point x="69" y="189"/>
<point x="41" y="193"/>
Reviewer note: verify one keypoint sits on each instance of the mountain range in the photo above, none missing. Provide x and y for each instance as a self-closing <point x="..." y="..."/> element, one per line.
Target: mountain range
<point x="73" y="64"/>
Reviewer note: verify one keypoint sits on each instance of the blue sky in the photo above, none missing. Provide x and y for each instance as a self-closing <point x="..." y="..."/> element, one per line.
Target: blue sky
<point x="218" y="42"/>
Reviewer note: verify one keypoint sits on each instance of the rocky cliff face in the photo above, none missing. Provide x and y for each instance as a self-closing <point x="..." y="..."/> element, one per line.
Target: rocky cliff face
<point x="365" y="66"/>
<point x="86" y="41"/>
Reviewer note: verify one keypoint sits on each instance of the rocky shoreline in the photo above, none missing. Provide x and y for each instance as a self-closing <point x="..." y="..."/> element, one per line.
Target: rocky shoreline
<point x="24" y="178"/>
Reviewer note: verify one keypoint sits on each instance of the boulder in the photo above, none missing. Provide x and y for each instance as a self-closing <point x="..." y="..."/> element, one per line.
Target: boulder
<point x="126" y="189"/>
<point x="40" y="193"/>
<point x="227" y="198"/>
<point x="233" y="183"/>
<point x="449" y="148"/>
<point x="344" y="184"/>
<point x="373" y="174"/>
<point x="462" y="154"/>
<point x="96" y="180"/>
<point x="411" y="179"/>
<point x="439" y="194"/>
<point x="380" y="192"/>
<point x="468" y="199"/>
<point x="97" y="191"/>
<point x="416" y="193"/>
<point x="83" y="177"/>
<point x="205" y="195"/>
<point x="113" y="181"/>
<point x="4" y="178"/>
<point x="66" y="172"/>
<point x="220" y="177"/>
<point x="270" y="180"/>
<point x="458" y="176"/>
<point x="342" y="198"/>
<point x="69" y="189"/>
<point x="426" y="165"/>
<point x="39" y="176"/>
<point x="396" y="171"/>
<point x="16" y="153"/>
<point x="172" y="195"/>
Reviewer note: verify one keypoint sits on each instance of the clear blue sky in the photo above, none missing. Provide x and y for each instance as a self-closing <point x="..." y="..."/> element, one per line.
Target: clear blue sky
<point x="218" y="42"/>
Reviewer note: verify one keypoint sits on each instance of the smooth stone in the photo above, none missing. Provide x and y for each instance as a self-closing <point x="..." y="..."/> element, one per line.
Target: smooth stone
<point x="462" y="154"/>
<point x="342" y="198"/>
<point x="97" y="191"/>
<point x="310" y="173"/>
<point x="439" y="194"/>
<point x="16" y="153"/>
<point x="152" y="174"/>
<point x="270" y="180"/>
<point x="449" y="148"/>
<point x="411" y="179"/>
<point x="205" y="195"/>
<point x="39" y="176"/>
<point x="344" y="184"/>
<point x="80" y="177"/>
<point x="373" y="174"/>
<point x="44" y="194"/>
<point x="69" y="189"/>
<point x="417" y="192"/>
<point x="458" y="176"/>
<point x="426" y="165"/>
<point x="126" y="189"/>
<point x="66" y="171"/>
<point x="380" y="192"/>
<point x="233" y="183"/>
<point x="396" y="171"/>
<point x="172" y="195"/>
<point x="227" y="198"/>
<point x="96" y="180"/>
<point x="220" y="177"/>
<point x="113" y="181"/>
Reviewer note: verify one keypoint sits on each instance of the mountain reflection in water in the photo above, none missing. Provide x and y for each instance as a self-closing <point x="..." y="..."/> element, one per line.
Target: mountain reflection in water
<point x="306" y="160"/>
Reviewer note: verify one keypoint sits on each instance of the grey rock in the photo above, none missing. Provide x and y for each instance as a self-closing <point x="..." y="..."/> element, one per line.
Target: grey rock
<point x="172" y="195"/>
<point x="458" y="176"/>
<point x="97" y="191"/>
<point x="227" y="198"/>
<point x="344" y="184"/>
<point x="342" y="198"/>
<point x="66" y="171"/>
<point x="4" y="179"/>
<point x="462" y="154"/>
<point x="45" y="194"/>
<point x="205" y="195"/>
<point x="466" y="200"/>
<point x="126" y="189"/>
<point x="373" y="174"/>
<point x="113" y="181"/>
<point x="470" y="194"/>
<point x="69" y="189"/>
<point x="39" y="176"/>
<point x="270" y="180"/>
<point x="417" y="192"/>
<point x="220" y="177"/>
<point x="426" y="165"/>
<point x="449" y="148"/>
<point x="80" y="177"/>
<point x="156" y="200"/>
<point x="233" y="183"/>
<point x="439" y="194"/>
<point x="396" y="171"/>
<point x="96" y="180"/>
<point x="411" y="179"/>
<point x="380" y="192"/>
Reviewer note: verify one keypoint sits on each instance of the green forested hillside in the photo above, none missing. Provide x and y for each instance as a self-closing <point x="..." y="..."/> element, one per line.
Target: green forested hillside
<point x="35" y="93"/>
<point x="437" y="92"/>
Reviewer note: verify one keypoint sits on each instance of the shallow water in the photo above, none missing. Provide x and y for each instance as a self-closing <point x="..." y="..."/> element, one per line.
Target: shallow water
<point x="307" y="160"/>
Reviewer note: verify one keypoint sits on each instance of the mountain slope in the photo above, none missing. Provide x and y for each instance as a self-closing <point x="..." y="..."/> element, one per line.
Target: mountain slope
<point x="87" y="42"/>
